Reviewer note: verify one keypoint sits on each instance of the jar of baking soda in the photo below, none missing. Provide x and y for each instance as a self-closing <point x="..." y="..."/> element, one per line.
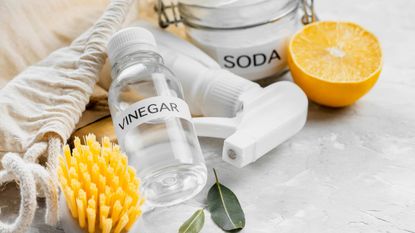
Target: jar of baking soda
<point x="247" y="37"/>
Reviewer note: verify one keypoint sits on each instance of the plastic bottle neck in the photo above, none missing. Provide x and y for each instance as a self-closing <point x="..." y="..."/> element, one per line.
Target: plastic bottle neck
<point x="140" y="57"/>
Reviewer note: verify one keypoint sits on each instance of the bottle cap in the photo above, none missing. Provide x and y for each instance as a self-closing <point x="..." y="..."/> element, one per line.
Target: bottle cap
<point x="129" y="40"/>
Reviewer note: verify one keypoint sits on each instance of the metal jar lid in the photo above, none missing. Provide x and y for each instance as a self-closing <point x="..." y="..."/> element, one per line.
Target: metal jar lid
<point x="259" y="13"/>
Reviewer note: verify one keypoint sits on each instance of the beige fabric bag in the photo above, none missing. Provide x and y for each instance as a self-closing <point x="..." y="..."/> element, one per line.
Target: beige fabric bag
<point x="39" y="109"/>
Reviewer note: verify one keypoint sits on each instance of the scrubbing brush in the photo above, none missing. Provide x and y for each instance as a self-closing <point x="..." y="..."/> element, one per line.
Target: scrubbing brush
<point x="100" y="189"/>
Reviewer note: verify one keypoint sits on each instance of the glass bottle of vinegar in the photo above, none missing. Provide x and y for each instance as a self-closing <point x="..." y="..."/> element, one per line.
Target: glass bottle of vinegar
<point x="152" y="122"/>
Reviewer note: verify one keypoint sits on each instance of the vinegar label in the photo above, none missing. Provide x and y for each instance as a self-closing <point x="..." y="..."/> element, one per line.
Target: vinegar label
<point x="147" y="110"/>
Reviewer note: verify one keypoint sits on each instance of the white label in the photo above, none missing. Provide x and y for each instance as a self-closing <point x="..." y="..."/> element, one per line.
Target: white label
<point x="147" y="110"/>
<point x="252" y="62"/>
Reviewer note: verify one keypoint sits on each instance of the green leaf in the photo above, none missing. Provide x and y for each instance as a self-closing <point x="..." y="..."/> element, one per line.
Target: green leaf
<point x="194" y="224"/>
<point x="224" y="207"/>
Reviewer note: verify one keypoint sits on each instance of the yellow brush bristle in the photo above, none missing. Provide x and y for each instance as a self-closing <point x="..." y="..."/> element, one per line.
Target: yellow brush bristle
<point x="100" y="189"/>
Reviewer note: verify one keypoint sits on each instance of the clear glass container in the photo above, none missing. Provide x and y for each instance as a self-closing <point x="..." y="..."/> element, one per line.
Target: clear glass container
<point x="247" y="37"/>
<point x="163" y="147"/>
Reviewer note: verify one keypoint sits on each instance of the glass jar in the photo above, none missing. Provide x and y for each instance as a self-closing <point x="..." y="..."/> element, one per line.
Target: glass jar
<point x="247" y="37"/>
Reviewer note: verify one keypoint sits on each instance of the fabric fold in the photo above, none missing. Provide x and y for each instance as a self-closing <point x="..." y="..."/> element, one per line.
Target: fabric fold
<point x="42" y="105"/>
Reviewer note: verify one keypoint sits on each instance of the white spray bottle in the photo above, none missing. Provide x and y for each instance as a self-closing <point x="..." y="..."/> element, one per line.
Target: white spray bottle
<point x="252" y="120"/>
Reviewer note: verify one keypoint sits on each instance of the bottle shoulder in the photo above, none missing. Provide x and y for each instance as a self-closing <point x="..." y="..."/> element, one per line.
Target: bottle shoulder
<point x="142" y="73"/>
<point x="142" y="81"/>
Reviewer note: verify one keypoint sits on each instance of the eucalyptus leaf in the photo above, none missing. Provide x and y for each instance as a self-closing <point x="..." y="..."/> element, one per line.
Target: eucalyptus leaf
<point x="194" y="224"/>
<point x="224" y="207"/>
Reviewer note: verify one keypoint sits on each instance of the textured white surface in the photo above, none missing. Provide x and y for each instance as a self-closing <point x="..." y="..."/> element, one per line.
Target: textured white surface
<point x="349" y="170"/>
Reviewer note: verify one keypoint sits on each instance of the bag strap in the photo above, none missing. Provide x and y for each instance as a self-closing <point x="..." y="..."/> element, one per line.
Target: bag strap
<point x="34" y="178"/>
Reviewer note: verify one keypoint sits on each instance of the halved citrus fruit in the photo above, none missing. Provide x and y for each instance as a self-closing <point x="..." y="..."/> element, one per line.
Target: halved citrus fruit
<point x="335" y="63"/>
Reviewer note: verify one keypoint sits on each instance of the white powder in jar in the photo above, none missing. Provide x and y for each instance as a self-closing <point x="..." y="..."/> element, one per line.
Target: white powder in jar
<point x="241" y="34"/>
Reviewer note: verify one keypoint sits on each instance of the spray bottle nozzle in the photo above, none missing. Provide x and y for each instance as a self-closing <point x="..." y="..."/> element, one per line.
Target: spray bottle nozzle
<point x="269" y="117"/>
<point x="251" y="119"/>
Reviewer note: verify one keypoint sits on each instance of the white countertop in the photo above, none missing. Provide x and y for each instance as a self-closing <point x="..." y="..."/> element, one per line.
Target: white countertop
<point x="348" y="170"/>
